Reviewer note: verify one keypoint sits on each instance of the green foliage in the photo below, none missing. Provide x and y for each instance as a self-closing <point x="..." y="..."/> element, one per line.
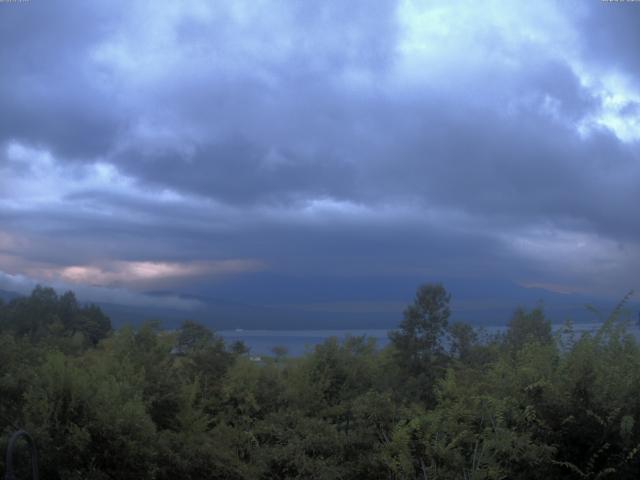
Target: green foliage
<point x="526" y="327"/>
<point x="60" y="321"/>
<point x="440" y="402"/>
<point x="464" y="341"/>
<point x="89" y="422"/>
<point x="418" y="344"/>
<point x="420" y="335"/>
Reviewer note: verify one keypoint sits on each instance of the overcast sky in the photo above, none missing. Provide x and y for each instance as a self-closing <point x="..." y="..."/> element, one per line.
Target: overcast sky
<point x="267" y="145"/>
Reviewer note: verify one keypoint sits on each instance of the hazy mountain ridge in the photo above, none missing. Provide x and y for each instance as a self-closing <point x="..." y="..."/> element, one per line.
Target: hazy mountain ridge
<point x="468" y="306"/>
<point x="7" y="295"/>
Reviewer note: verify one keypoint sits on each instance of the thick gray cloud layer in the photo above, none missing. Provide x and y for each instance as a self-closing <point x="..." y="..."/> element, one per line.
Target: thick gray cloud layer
<point x="146" y="145"/>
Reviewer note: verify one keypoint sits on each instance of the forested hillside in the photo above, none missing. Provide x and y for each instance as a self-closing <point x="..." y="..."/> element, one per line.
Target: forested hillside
<point x="440" y="402"/>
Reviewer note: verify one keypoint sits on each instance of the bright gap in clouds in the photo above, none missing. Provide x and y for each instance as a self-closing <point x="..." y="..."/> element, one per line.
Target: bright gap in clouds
<point x="498" y="41"/>
<point x="35" y="179"/>
<point x="32" y="179"/>
<point x="459" y="44"/>
<point x="620" y="108"/>
<point x="130" y="273"/>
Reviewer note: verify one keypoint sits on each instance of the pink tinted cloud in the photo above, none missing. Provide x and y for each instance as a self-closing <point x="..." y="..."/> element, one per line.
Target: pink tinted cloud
<point x="131" y="272"/>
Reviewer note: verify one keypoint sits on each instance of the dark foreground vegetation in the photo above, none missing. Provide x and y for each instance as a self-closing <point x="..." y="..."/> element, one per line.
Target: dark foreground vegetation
<point x="438" y="403"/>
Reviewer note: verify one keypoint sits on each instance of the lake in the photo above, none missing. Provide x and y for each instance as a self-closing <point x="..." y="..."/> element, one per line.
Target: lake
<point x="297" y="342"/>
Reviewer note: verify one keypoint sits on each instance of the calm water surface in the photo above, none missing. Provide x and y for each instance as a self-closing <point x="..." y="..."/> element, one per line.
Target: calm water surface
<point x="297" y="342"/>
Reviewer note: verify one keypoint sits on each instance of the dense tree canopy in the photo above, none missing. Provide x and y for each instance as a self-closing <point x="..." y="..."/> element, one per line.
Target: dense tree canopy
<point x="418" y="343"/>
<point x="44" y="315"/>
<point x="437" y="403"/>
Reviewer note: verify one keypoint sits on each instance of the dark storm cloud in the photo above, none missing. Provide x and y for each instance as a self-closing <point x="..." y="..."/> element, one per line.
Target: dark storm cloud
<point x="239" y="172"/>
<point x="49" y="95"/>
<point x="612" y="35"/>
<point x="522" y="169"/>
<point x="316" y="137"/>
<point x="332" y="143"/>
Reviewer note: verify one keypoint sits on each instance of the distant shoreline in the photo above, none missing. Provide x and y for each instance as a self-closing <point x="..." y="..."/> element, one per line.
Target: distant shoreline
<point x="298" y="342"/>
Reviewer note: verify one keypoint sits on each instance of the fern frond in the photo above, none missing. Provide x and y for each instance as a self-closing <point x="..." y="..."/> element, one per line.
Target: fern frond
<point x="571" y="467"/>
<point x="604" y="472"/>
